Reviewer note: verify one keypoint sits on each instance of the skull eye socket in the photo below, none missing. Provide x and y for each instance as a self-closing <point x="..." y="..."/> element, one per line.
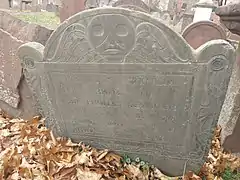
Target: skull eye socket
<point x="98" y="30"/>
<point x="121" y="30"/>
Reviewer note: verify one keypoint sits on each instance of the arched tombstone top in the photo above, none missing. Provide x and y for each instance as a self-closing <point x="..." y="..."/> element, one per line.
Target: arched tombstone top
<point x="121" y="80"/>
<point x="92" y="32"/>
<point x="197" y="34"/>
<point x="138" y="5"/>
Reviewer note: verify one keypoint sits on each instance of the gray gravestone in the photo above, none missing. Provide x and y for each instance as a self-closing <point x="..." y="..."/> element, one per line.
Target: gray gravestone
<point x="124" y="81"/>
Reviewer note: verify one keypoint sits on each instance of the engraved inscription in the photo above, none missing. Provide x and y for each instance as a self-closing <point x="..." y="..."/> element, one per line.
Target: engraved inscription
<point x="130" y="105"/>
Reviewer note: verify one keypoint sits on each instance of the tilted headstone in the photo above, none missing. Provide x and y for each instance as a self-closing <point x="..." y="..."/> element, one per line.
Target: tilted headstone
<point x="137" y="5"/>
<point x="10" y="69"/>
<point x="15" y="95"/>
<point x="229" y="15"/>
<point x="124" y="81"/>
<point x="198" y="33"/>
<point x="229" y="118"/>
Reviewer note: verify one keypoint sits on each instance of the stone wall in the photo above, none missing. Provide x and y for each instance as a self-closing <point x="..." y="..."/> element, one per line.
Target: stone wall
<point x="15" y="96"/>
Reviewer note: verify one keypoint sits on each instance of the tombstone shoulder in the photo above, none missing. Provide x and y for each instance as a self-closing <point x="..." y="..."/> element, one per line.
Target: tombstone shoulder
<point x="29" y="53"/>
<point x="215" y="52"/>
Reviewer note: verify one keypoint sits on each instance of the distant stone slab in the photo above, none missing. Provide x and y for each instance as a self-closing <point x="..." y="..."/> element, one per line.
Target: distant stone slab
<point x="137" y="5"/>
<point x="122" y="80"/>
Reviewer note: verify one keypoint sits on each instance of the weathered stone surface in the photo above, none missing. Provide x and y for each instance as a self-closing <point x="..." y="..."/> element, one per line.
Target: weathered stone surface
<point x="230" y="114"/>
<point x="26" y="107"/>
<point x="137" y="5"/>
<point x="229" y="117"/>
<point x="124" y="81"/>
<point x="14" y="33"/>
<point x="230" y="121"/>
<point x="15" y="95"/>
<point x="10" y="69"/>
<point x="196" y="34"/>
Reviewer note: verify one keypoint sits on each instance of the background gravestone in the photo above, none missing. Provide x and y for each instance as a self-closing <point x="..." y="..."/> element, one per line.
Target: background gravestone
<point x="10" y="69"/>
<point x="230" y="17"/>
<point x="196" y="34"/>
<point x="137" y="5"/>
<point x="124" y="81"/>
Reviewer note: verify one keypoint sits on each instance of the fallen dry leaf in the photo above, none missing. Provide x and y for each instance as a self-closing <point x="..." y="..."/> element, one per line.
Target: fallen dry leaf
<point x="28" y="150"/>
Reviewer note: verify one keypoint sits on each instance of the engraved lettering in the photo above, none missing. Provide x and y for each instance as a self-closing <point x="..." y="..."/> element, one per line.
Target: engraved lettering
<point x="80" y="130"/>
<point x="102" y="103"/>
<point x="108" y="92"/>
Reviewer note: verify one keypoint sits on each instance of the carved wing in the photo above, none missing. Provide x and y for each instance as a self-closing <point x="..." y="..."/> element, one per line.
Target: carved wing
<point x="152" y="46"/>
<point x="72" y="46"/>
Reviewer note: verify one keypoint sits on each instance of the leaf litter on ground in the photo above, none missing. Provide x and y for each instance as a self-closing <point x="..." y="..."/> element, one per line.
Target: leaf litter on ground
<point x="30" y="151"/>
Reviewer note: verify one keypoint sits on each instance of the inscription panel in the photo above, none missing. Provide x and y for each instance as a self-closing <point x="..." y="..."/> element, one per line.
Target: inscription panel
<point x="126" y="105"/>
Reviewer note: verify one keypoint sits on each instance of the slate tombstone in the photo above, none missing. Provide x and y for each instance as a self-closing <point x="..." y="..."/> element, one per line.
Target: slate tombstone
<point x="201" y="32"/>
<point x="137" y="5"/>
<point x="124" y="81"/>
